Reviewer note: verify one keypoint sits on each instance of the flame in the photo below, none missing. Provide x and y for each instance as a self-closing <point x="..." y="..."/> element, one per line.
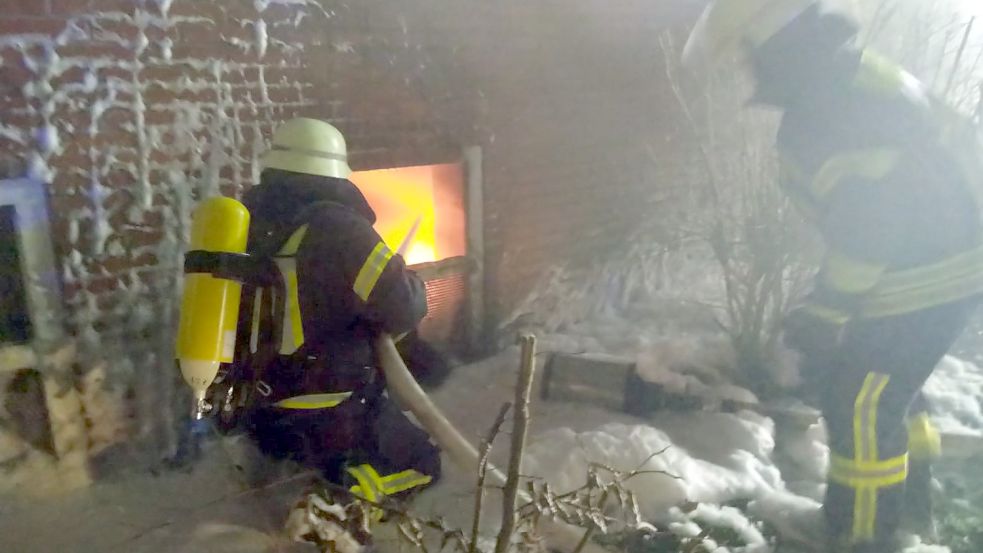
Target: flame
<point x="432" y="194"/>
<point x="420" y="253"/>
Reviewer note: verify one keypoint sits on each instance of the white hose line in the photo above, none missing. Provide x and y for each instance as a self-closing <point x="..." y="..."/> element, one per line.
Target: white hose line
<point x="560" y="536"/>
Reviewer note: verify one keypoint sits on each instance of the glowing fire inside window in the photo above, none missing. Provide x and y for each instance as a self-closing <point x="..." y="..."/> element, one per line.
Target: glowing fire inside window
<point x="430" y="194"/>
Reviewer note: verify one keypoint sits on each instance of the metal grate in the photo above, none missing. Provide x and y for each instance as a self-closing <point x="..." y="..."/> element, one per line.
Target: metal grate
<point x="445" y="321"/>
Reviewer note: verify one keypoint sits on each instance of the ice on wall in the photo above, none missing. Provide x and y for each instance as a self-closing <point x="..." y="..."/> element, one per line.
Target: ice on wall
<point x="130" y="142"/>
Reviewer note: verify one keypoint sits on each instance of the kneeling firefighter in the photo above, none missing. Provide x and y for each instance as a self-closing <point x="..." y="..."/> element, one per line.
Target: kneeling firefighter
<point x="333" y="286"/>
<point x="890" y="176"/>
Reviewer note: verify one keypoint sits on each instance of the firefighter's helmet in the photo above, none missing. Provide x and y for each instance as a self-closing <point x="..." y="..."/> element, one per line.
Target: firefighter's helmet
<point x="729" y="25"/>
<point x="308" y="146"/>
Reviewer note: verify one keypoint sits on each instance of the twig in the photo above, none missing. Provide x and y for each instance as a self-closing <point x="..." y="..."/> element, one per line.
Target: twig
<point x="479" y="493"/>
<point x="523" y="389"/>
<point x="959" y="57"/>
<point x="697" y="541"/>
<point x="590" y="530"/>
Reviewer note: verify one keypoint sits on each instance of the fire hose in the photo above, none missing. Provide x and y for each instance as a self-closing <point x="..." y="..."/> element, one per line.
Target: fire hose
<point x="560" y="536"/>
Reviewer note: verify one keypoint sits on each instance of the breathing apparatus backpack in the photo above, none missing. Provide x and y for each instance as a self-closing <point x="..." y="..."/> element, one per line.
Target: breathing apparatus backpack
<point x="221" y="345"/>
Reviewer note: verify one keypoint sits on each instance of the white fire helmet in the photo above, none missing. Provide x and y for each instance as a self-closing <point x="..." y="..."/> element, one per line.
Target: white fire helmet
<point x="728" y="25"/>
<point x="308" y="146"/>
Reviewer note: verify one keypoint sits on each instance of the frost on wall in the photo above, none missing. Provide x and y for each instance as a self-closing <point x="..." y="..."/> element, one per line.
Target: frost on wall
<point x="132" y="116"/>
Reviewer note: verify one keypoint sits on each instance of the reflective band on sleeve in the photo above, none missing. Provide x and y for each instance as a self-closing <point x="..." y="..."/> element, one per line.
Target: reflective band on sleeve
<point x="402" y="481"/>
<point x="845" y="274"/>
<point x="879" y="75"/>
<point x="828" y="314"/>
<point x="371" y="270"/>
<point x="292" y="327"/>
<point x="314" y="401"/>
<point x="872" y="164"/>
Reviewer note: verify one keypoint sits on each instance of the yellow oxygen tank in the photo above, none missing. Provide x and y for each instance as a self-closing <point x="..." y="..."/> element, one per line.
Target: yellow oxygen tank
<point x="210" y="306"/>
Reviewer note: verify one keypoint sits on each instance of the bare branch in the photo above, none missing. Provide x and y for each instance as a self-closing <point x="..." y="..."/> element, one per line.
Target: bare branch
<point x="523" y="390"/>
<point x="479" y="493"/>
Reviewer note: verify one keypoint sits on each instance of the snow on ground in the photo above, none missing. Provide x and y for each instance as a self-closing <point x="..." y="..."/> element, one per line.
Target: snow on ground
<point x="725" y="463"/>
<point x="954" y="392"/>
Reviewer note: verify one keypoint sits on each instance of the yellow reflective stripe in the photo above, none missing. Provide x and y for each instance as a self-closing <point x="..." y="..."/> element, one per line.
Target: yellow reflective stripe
<point x="369" y="484"/>
<point x="843" y="273"/>
<point x="402" y="481"/>
<point x="371" y="270"/>
<point x="292" y="244"/>
<point x="296" y="327"/>
<point x="879" y="75"/>
<point x="292" y="326"/>
<point x="924" y="440"/>
<point x="877" y="474"/>
<point x="864" y="515"/>
<point x="865" y="416"/>
<point x="314" y="401"/>
<point x="952" y="279"/>
<point x="866" y="457"/>
<point x="869" y="164"/>
<point x="827" y="314"/>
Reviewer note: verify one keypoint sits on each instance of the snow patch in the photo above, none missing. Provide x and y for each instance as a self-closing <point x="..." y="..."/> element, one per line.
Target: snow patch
<point x="954" y="393"/>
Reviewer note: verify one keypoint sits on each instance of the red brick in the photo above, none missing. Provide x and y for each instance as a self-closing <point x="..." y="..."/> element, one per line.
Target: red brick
<point x="173" y="72"/>
<point x="143" y="236"/>
<point x="195" y="8"/>
<point x="70" y="7"/>
<point x="25" y="7"/>
<point x="283" y="94"/>
<point x="21" y="25"/>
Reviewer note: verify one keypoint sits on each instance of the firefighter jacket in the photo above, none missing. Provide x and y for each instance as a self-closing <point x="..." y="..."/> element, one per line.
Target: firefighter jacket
<point x="883" y="172"/>
<point x="334" y="284"/>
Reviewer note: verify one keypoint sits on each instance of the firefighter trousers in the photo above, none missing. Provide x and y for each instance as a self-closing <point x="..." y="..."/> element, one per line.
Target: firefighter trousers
<point x="872" y="381"/>
<point x="365" y="444"/>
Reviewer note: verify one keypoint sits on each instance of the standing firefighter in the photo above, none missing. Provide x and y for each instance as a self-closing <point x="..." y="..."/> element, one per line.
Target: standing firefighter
<point x="334" y="285"/>
<point x="887" y="174"/>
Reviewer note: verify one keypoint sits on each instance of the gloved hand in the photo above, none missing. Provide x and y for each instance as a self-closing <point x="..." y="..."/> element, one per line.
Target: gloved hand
<point x="809" y="334"/>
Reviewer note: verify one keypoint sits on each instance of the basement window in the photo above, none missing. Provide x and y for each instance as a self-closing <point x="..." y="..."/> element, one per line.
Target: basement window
<point x="441" y="202"/>
<point x="431" y="195"/>
<point x="15" y="319"/>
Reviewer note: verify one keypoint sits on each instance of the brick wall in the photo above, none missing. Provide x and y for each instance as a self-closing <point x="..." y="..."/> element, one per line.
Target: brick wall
<point x="586" y="155"/>
<point x="134" y="109"/>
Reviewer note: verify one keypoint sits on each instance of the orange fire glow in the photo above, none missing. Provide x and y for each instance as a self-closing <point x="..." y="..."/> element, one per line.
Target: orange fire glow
<point x="432" y="194"/>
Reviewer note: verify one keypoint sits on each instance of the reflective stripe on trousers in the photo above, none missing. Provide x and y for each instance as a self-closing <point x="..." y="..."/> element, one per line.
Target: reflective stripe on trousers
<point x="375" y="488"/>
<point x="865" y="472"/>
